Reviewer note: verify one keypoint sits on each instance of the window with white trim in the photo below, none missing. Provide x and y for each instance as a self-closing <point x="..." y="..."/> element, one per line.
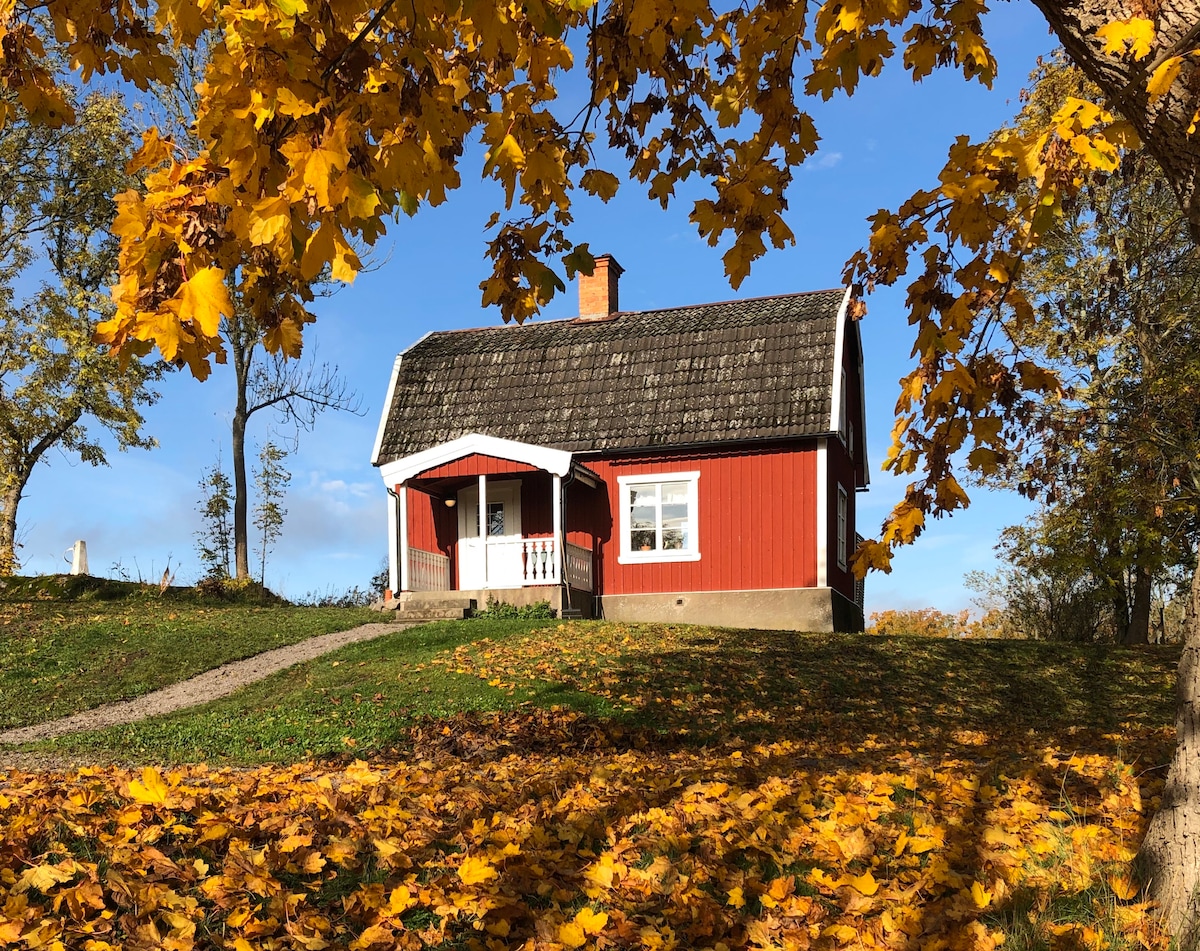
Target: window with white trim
<point x="843" y="521"/>
<point x="659" y="517"/>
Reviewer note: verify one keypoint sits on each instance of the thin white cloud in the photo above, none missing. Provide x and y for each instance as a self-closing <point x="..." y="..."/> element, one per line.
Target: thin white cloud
<point x="823" y="161"/>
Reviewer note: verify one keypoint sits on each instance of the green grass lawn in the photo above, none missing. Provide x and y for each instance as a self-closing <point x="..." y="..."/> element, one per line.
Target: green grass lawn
<point x="361" y="699"/>
<point x="58" y="657"/>
<point x="701" y="686"/>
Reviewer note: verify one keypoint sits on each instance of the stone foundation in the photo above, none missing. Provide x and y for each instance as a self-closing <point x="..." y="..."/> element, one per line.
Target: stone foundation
<point x="775" y="609"/>
<point x="520" y="597"/>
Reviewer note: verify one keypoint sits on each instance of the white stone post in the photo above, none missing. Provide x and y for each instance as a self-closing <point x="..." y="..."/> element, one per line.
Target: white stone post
<point x="79" y="565"/>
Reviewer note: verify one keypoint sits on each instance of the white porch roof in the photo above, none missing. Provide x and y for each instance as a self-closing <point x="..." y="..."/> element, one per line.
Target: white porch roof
<point x="555" y="461"/>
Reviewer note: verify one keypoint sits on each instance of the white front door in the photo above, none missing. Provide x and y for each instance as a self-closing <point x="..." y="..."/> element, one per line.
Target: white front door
<point x="501" y="545"/>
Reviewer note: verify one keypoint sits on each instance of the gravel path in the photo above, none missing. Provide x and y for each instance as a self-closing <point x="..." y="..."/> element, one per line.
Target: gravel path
<point x="209" y="685"/>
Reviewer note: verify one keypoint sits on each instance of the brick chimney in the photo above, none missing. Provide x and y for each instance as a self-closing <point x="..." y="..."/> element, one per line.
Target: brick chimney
<point x="598" y="293"/>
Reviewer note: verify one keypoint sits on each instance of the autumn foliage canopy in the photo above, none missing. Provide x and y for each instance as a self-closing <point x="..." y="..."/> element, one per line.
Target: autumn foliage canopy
<point x="319" y="121"/>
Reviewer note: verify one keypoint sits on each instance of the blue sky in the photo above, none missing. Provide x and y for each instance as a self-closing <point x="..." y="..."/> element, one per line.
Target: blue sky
<point x="877" y="147"/>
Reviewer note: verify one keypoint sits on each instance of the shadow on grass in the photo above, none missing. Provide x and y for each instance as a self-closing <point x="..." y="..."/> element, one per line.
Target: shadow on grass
<point x="919" y="694"/>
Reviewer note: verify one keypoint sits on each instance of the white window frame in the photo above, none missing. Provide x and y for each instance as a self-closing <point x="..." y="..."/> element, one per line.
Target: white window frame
<point x="692" y="552"/>
<point x="843" y="526"/>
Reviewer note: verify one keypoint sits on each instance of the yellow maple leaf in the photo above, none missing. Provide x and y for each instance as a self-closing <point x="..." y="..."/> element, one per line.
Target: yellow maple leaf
<point x="151" y="790"/>
<point x="571" y="935"/>
<point x="1135" y="36"/>
<point x="980" y="896"/>
<point x="44" y="877"/>
<point x="270" y="219"/>
<point x="319" y="250"/>
<point x="1123" y="886"/>
<point x="865" y="884"/>
<point x="591" y="922"/>
<point x="1163" y="77"/>
<point x="204" y="299"/>
<point x="473" y="871"/>
<point x="400" y="901"/>
<point x="600" y="183"/>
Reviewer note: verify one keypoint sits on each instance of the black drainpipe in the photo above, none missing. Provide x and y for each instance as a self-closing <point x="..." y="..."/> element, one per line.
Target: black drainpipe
<point x="562" y="542"/>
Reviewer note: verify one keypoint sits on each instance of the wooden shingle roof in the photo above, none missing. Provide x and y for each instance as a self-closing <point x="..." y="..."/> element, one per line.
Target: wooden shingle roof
<point x="713" y="373"/>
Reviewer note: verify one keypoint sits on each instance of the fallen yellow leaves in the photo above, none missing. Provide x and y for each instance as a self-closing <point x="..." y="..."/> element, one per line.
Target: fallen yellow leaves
<point x="590" y="844"/>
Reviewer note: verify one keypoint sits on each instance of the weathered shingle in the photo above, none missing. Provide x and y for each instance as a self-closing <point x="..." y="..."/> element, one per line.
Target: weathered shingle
<point x="748" y="369"/>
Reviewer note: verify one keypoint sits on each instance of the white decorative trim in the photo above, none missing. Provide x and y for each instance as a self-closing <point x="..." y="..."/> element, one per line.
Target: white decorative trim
<point x="628" y="557"/>
<point x="393" y="545"/>
<point x="822" y="513"/>
<point x="843" y="527"/>
<point x="387" y="408"/>
<point x="839" y="342"/>
<point x="862" y="402"/>
<point x="554" y="461"/>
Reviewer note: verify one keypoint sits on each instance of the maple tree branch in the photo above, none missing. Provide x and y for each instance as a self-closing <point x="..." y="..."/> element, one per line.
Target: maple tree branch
<point x="1188" y="39"/>
<point x="357" y="41"/>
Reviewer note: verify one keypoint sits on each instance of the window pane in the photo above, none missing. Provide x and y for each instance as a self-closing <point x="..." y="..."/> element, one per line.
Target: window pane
<point x="675" y="527"/>
<point x="642" y="540"/>
<point x="495" y="523"/>
<point x="675" y="516"/>
<point x="643" y="509"/>
<point x="675" y="492"/>
<point x="675" y="538"/>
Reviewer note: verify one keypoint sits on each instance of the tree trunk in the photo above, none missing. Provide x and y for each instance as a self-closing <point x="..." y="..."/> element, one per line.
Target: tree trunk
<point x="1169" y="859"/>
<point x="1163" y="125"/>
<point x="241" y="494"/>
<point x="1120" y="600"/>
<point x="1170" y="855"/>
<point x="1138" y="631"/>
<point x="8" y="526"/>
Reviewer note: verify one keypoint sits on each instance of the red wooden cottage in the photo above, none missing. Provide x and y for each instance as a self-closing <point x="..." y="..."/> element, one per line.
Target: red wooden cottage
<point x="692" y="464"/>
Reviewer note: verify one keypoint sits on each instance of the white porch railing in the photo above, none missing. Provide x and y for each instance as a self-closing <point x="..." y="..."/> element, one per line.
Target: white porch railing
<point x="579" y="566"/>
<point x="511" y="563"/>
<point x="525" y="562"/>
<point x="427" y="571"/>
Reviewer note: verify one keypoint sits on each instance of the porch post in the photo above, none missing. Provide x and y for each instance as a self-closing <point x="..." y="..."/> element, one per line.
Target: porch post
<point x="402" y="578"/>
<point x="483" y="526"/>
<point x="559" y="540"/>
<point x="393" y="543"/>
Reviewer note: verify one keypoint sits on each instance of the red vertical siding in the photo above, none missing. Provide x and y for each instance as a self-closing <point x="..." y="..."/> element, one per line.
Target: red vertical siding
<point x="757" y="521"/>
<point x="537" y="505"/>
<point x="475" y="465"/>
<point x="433" y="527"/>
<point x="422" y="526"/>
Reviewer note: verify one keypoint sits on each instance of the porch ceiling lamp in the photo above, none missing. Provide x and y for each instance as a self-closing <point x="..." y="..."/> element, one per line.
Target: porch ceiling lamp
<point x="450" y="502"/>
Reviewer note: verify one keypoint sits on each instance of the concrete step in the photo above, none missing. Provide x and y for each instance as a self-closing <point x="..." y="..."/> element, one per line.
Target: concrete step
<point x="432" y="613"/>
<point x="422" y="602"/>
<point x="415" y="607"/>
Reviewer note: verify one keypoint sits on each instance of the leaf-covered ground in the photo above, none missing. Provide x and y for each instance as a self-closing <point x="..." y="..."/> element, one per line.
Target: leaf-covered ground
<point x="751" y="791"/>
